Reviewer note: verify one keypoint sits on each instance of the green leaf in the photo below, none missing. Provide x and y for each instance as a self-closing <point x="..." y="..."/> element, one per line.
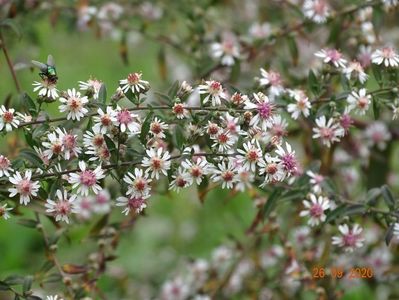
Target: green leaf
<point x="270" y="203"/>
<point x="336" y="213"/>
<point x="388" y="197"/>
<point x="32" y="157"/>
<point x="145" y="128"/>
<point x="28" y="223"/>
<point x="292" y="47"/>
<point x="14" y="280"/>
<point x="10" y="23"/>
<point x="372" y="196"/>
<point x="377" y="74"/>
<point x="389" y="234"/>
<point x="28" y="102"/>
<point x="376" y="108"/>
<point x="102" y="94"/>
<point x="174" y="89"/>
<point x="355" y="209"/>
<point x="179" y="137"/>
<point x="4" y="286"/>
<point x="27" y="284"/>
<point x="313" y="83"/>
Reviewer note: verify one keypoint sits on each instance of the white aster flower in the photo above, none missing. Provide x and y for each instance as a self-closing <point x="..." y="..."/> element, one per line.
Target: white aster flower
<point x="156" y="162"/>
<point x="332" y="56"/>
<point x="328" y="131"/>
<point x="302" y="105"/>
<point x="134" y="83"/>
<point x="316" y="10"/>
<point x="251" y="155"/>
<point x="23" y="186"/>
<point x="46" y="89"/>
<point x="359" y="101"/>
<point x="315" y="209"/>
<point x="181" y="179"/>
<point x="272" y="168"/>
<point x="356" y="70"/>
<point x="4" y="212"/>
<point x="105" y="120"/>
<point x="86" y="179"/>
<point x="226" y="173"/>
<point x="138" y="184"/>
<point x="265" y="111"/>
<point x="92" y="86"/>
<point x="273" y="80"/>
<point x="386" y="56"/>
<point x="63" y="207"/>
<point x="7" y="119"/>
<point x="74" y="104"/>
<point x="5" y="166"/>
<point x="134" y="203"/>
<point x="197" y="169"/>
<point x="350" y="238"/>
<point x="213" y="91"/>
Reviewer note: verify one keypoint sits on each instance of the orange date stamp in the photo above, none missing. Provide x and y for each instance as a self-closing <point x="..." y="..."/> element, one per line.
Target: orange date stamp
<point x="339" y="272"/>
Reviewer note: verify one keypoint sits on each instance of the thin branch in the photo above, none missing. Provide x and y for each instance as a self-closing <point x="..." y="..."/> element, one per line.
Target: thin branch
<point x="9" y="63"/>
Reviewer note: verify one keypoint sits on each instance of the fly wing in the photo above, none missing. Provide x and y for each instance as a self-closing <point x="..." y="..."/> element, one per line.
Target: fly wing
<point x="41" y="66"/>
<point x="50" y="60"/>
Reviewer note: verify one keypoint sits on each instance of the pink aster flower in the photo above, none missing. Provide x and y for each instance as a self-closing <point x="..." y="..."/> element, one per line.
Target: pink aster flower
<point x="69" y="142"/>
<point x="350" y="238"/>
<point x="316" y="10"/>
<point x="5" y="166"/>
<point x="63" y="207"/>
<point x="265" y="111"/>
<point x="332" y="56"/>
<point x="23" y="186"/>
<point x="101" y="202"/>
<point x="92" y="86"/>
<point x="288" y="159"/>
<point x="213" y="91"/>
<point x="157" y="162"/>
<point x="386" y="56"/>
<point x="74" y="104"/>
<point x="328" y="131"/>
<point x="136" y="204"/>
<point x="86" y="179"/>
<point x="127" y="120"/>
<point x="273" y="80"/>
<point x="315" y="209"/>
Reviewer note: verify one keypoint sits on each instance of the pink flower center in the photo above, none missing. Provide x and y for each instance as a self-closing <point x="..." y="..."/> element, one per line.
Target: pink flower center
<point x="196" y="171"/>
<point x="318" y="178"/>
<point x="271" y="168"/>
<point x="228" y="47"/>
<point x="289" y="162"/>
<point x="326" y="133"/>
<point x="4" y="163"/>
<point x="388" y="52"/>
<point x="213" y="129"/>
<point x="156" y="163"/>
<point x="320" y="7"/>
<point x="223" y="138"/>
<point x="178" y="109"/>
<point x="98" y="140"/>
<point x="135" y="203"/>
<point x="362" y="102"/>
<point x="140" y="184"/>
<point x="156" y="128"/>
<point x="124" y="117"/>
<point x="88" y="178"/>
<point x="334" y="55"/>
<point x="180" y="182"/>
<point x="101" y="199"/>
<point x="236" y="99"/>
<point x="8" y="117"/>
<point x="265" y="110"/>
<point x="346" y="121"/>
<point x="133" y="78"/>
<point x="103" y="153"/>
<point x="57" y="148"/>
<point x="316" y="210"/>
<point x="275" y="78"/>
<point x="63" y="208"/>
<point x="377" y="136"/>
<point x="69" y="141"/>
<point x="25" y="187"/>
<point x="350" y="239"/>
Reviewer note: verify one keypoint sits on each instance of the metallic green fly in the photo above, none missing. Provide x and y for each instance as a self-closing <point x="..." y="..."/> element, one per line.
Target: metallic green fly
<point x="48" y="71"/>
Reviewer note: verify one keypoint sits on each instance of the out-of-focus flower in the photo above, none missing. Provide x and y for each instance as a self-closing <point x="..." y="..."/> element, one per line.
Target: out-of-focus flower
<point x="355" y="69"/>
<point x="4" y="211"/>
<point x="386" y="56"/>
<point x="315" y="209"/>
<point x="227" y="50"/>
<point x="273" y="80"/>
<point x="260" y="31"/>
<point x="350" y="238"/>
<point x="332" y="56"/>
<point x="377" y="134"/>
<point x="316" y="10"/>
<point x="302" y="105"/>
<point x="315" y="180"/>
<point x="328" y="131"/>
<point x="5" y="166"/>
